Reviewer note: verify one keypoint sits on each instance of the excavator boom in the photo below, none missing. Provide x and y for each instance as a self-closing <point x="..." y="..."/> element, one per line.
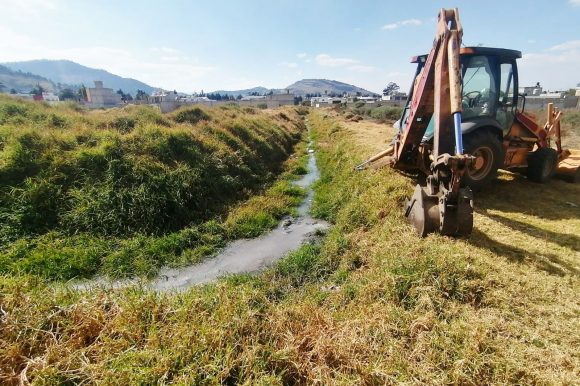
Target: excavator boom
<point x="441" y="205"/>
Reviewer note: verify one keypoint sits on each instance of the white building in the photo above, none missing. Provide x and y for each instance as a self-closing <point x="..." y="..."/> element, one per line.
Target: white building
<point x="531" y="90"/>
<point x="50" y="97"/>
<point x="253" y="98"/>
<point x="396" y="96"/>
<point x="318" y="101"/>
<point x="163" y="96"/>
<point x="367" y="99"/>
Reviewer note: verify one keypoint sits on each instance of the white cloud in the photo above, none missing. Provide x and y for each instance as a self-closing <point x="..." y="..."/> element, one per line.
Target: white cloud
<point x="288" y="65"/>
<point x="566" y="46"/>
<point x="555" y="68"/>
<point x="390" y="26"/>
<point x="574" y="3"/>
<point x="362" y="68"/>
<point x="411" y="22"/>
<point x="328" y="61"/>
<point x="401" y="23"/>
<point x="301" y="55"/>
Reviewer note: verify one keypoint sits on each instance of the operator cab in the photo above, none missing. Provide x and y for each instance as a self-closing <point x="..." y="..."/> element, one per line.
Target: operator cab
<point x="489" y="89"/>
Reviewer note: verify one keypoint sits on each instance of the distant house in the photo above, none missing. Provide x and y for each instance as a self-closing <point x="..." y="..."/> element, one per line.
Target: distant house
<point x="367" y="99"/>
<point x="531" y="90"/>
<point x="100" y="96"/>
<point x="50" y="97"/>
<point x="319" y="101"/>
<point x="396" y="96"/>
<point x="272" y="100"/>
<point x="253" y="97"/>
<point x="281" y="99"/>
<point x="163" y="96"/>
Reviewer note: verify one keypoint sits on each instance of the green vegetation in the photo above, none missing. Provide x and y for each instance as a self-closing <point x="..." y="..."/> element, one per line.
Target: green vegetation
<point x="126" y="191"/>
<point x="372" y="304"/>
<point x="379" y="113"/>
<point x="570" y="126"/>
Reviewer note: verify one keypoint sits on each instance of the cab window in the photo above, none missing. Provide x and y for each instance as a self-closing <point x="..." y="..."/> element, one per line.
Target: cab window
<point x="478" y="94"/>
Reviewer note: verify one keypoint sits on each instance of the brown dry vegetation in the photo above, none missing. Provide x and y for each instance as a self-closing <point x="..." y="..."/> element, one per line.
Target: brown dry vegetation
<point x="373" y="304"/>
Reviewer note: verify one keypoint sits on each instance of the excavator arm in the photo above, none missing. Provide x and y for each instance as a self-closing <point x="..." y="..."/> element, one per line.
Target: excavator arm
<point x="441" y="205"/>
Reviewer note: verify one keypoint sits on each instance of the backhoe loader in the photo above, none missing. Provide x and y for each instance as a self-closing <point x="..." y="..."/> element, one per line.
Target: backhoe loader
<point x="463" y="121"/>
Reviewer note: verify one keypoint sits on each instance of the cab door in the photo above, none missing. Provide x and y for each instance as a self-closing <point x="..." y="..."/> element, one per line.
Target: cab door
<point x="507" y="95"/>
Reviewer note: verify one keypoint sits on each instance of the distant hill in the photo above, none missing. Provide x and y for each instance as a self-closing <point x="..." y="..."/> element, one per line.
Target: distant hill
<point x="260" y="90"/>
<point x="305" y="86"/>
<point x="66" y="71"/>
<point x="22" y="81"/>
<point x="314" y="86"/>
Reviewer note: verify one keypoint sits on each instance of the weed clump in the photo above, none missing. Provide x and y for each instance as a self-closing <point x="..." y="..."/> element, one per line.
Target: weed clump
<point x="191" y="116"/>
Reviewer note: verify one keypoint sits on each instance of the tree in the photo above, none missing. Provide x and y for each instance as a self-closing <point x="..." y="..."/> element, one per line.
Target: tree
<point x="38" y="90"/>
<point x="82" y="93"/>
<point x="141" y="95"/>
<point x="13" y="91"/>
<point x="391" y="88"/>
<point x="239" y="97"/>
<point x="66" y="93"/>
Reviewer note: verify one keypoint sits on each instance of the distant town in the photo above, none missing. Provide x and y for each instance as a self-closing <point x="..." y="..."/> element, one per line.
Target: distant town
<point x="99" y="97"/>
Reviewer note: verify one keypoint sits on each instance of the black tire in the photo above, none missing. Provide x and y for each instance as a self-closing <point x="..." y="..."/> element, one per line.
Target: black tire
<point x="488" y="150"/>
<point x="542" y="164"/>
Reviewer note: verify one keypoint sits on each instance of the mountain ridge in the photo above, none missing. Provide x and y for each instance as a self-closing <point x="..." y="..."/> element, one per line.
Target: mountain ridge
<point x="72" y="73"/>
<point x="303" y="87"/>
<point x="69" y="73"/>
<point x="23" y="81"/>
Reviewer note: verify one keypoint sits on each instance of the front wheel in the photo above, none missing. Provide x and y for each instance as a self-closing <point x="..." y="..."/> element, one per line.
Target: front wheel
<point x="488" y="153"/>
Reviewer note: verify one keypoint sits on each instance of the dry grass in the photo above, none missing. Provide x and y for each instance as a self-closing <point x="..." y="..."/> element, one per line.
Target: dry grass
<point x="374" y="304"/>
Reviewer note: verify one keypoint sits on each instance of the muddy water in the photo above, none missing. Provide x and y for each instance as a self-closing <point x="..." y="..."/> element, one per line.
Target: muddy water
<point x="246" y="255"/>
<point x="250" y="255"/>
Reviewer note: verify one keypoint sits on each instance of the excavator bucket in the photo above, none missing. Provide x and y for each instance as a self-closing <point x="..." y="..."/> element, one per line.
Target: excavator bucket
<point x="569" y="166"/>
<point x="429" y="213"/>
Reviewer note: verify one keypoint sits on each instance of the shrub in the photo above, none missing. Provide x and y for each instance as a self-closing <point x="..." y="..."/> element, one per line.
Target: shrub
<point x="191" y="116"/>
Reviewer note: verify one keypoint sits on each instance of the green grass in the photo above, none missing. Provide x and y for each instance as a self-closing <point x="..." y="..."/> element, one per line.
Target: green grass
<point x="378" y="113"/>
<point x="125" y="191"/>
<point x="372" y="304"/>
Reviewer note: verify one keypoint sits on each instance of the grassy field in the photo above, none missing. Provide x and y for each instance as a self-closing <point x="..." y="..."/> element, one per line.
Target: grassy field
<point x="122" y="192"/>
<point x="570" y="126"/>
<point x="372" y="304"/>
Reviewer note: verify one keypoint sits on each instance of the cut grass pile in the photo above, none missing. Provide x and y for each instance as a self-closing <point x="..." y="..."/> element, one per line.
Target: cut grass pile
<point x="373" y="304"/>
<point x="122" y="192"/>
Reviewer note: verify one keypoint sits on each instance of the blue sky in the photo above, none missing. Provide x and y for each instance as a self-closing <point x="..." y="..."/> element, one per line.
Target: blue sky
<point x="219" y="44"/>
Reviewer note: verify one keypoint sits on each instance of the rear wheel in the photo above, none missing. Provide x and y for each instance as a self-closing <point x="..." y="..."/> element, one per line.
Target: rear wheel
<point x="487" y="150"/>
<point x="542" y="164"/>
